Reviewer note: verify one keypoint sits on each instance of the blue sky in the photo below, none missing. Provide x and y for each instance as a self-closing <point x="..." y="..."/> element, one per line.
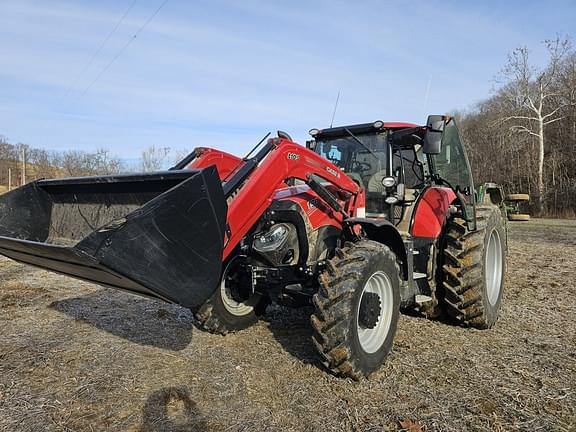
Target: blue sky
<point x="223" y="73"/>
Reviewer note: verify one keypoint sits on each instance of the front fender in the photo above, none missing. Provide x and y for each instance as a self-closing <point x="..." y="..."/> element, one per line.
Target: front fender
<point x="382" y="231"/>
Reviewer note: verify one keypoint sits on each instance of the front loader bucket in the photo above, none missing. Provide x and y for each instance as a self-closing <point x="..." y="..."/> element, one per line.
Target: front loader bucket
<point x="158" y="234"/>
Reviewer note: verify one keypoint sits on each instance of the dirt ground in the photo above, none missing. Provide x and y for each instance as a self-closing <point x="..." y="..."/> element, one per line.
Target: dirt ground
<point x="76" y="357"/>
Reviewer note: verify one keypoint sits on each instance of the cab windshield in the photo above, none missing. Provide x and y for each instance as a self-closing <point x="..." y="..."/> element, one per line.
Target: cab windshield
<point x="366" y="165"/>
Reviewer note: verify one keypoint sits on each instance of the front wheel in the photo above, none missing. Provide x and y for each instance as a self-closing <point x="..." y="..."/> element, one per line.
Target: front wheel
<point x="357" y="309"/>
<point x="233" y="306"/>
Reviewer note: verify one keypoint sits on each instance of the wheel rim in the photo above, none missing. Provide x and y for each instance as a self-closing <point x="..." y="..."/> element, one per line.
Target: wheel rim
<point x="493" y="267"/>
<point x="372" y="339"/>
<point x="232" y="305"/>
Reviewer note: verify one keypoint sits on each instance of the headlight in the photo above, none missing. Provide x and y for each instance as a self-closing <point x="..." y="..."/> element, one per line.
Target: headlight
<point x="314" y="132"/>
<point x="272" y="239"/>
<point x="378" y="124"/>
<point x="388" y="182"/>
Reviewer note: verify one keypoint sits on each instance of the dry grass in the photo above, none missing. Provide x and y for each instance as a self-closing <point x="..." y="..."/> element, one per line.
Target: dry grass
<point x="75" y="357"/>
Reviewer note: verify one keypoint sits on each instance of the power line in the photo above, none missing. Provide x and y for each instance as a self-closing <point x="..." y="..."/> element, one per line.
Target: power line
<point x="99" y="49"/>
<point x="121" y="51"/>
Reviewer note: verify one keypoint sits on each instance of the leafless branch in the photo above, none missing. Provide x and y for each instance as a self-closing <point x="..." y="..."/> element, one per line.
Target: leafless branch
<point x="523" y="129"/>
<point x="553" y="120"/>
<point x="519" y="117"/>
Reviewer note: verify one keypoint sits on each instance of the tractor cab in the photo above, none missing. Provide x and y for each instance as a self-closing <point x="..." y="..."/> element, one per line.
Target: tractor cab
<point x="385" y="159"/>
<point x="395" y="162"/>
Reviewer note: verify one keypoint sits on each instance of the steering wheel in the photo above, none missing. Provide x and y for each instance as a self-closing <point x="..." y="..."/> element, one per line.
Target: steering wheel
<point x="361" y="166"/>
<point x="335" y="161"/>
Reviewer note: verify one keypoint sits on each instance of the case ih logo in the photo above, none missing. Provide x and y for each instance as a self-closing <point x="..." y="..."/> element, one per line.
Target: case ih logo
<point x="333" y="172"/>
<point x="293" y="156"/>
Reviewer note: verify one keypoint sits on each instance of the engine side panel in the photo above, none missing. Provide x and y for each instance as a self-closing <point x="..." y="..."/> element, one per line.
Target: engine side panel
<point x="322" y="230"/>
<point x="317" y="213"/>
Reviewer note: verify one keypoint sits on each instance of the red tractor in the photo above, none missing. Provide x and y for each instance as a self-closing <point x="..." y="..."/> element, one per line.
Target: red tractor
<point x="366" y="220"/>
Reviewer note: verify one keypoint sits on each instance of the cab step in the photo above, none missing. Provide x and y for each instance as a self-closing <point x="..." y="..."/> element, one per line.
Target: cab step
<point x="422" y="299"/>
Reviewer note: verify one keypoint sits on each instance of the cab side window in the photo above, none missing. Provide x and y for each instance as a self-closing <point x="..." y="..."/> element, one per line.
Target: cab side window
<point x="451" y="163"/>
<point x="413" y="173"/>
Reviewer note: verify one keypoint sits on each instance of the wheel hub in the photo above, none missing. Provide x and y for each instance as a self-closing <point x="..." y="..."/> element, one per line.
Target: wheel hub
<point x="370" y="310"/>
<point x="236" y="297"/>
<point x="493" y="267"/>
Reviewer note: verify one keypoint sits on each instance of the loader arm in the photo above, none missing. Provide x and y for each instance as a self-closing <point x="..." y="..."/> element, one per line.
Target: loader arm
<point x="162" y="234"/>
<point x="252" y="188"/>
<point x="203" y="157"/>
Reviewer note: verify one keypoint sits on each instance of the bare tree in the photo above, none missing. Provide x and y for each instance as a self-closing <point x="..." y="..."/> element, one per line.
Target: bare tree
<point x="42" y="163"/>
<point x="74" y="163"/>
<point x="179" y="155"/>
<point x="567" y="88"/>
<point x="78" y="163"/>
<point x="531" y="99"/>
<point x="104" y="163"/>
<point x="153" y="158"/>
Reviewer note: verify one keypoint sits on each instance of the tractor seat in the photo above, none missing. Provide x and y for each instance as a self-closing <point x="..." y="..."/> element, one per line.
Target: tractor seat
<point x="375" y="182"/>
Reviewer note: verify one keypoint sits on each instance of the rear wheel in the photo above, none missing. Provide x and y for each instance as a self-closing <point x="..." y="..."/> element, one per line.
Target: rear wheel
<point x="233" y="306"/>
<point x="473" y="268"/>
<point x="518" y="217"/>
<point x="518" y="197"/>
<point x="357" y="309"/>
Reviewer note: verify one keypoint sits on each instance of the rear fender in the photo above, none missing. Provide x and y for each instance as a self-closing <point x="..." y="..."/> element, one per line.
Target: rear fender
<point x="431" y="211"/>
<point x="382" y="231"/>
<point x="493" y="194"/>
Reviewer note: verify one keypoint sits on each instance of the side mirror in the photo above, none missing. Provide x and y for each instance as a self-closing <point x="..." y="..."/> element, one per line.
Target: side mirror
<point x="311" y="144"/>
<point x="433" y="138"/>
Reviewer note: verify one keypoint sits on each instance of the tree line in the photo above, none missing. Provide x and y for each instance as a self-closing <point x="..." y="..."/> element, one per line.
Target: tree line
<point x="524" y="135"/>
<point x="22" y="163"/>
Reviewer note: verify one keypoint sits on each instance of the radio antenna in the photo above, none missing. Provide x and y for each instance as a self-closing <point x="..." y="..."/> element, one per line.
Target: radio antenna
<point x="427" y="94"/>
<point x="335" y="108"/>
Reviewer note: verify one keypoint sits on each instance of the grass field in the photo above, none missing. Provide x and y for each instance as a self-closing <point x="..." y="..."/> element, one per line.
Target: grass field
<point x="76" y="357"/>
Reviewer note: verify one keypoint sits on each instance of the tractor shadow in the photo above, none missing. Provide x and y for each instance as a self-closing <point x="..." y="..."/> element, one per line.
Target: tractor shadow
<point x="172" y="409"/>
<point x="291" y="328"/>
<point x="136" y="319"/>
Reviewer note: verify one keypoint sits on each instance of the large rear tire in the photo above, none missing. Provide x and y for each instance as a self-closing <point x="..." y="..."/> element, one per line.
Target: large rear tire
<point x="357" y="309"/>
<point x="518" y="217"/>
<point x="473" y="268"/>
<point x="518" y="197"/>
<point x="233" y="306"/>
